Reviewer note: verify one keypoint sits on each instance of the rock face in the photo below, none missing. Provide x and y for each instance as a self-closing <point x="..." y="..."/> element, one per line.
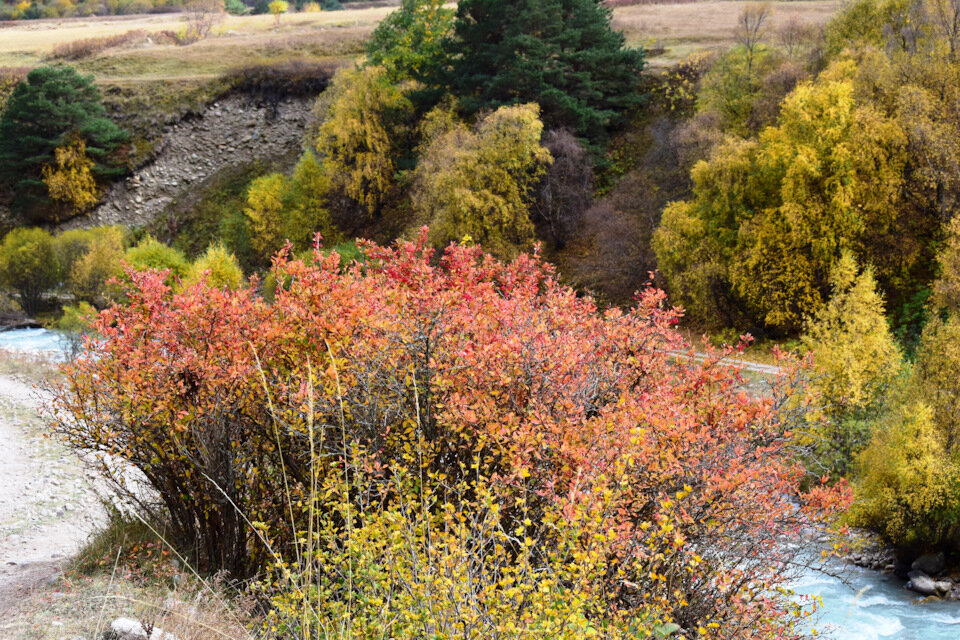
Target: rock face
<point x="232" y="131"/>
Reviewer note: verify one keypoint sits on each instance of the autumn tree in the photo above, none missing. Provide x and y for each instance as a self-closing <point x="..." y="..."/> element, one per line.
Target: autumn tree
<point x="409" y="42"/>
<point x="264" y="212"/>
<point x="770" y="216"/>
<point x="281" y="209"/>
<point x="367" y="121"/>
<point x="277" y="9"/>
<point x="795" y="35"/>
<point x="29" y="266"/>
<point x="91" y="259"/>
<point x="481" y="182"/>
<point x="946" y="288"/>
<point x="308" y="212"/>
<point x="751" y="29"/>
<point x="203" y="16"/>
<point x="909" y="474"/>
<point x="560" y="54"/>
<point x="746" y="92"/>
<point x="857" y="361"/>
<point x="70" y="180"/>
<point x="566" y="190"/>
<point x="52" y="106"/>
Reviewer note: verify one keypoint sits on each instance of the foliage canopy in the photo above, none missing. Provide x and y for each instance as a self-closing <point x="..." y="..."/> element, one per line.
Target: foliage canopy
<point x="53" y="106"/>
<point x="560" y="54"/>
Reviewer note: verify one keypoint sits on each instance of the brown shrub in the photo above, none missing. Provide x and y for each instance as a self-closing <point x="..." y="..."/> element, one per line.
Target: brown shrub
<point x="270" y="83"/>
<point x="566" y="190"/>
<point x="88" y="47"/>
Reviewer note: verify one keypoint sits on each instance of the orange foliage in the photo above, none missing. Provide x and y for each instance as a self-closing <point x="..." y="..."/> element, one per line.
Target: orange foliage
<point x="447" y="365"/>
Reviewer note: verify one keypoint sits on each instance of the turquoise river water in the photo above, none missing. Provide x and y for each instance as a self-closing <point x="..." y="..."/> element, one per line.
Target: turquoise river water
<point x="861" y="604"/>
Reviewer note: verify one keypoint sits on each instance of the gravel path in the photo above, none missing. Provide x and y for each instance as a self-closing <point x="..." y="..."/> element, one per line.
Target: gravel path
<point x="47" y="504"/>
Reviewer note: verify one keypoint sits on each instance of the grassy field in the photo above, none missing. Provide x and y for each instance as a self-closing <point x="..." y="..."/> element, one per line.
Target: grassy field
<point x="683" y="29"/>
<point x="238" y="40"/>
<point x="679" y="28"/>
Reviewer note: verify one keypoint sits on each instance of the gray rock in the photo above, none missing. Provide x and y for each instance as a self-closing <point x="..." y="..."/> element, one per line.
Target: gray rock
<point x="930" y="563"/>
<point x="129" y="629"/>
<point x="921" y="583"/>
<point x="943" y="586"/>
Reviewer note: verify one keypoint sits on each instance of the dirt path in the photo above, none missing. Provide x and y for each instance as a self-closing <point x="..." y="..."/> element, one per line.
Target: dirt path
<point x="47" y="503"/>
<point x="771" y="370"/>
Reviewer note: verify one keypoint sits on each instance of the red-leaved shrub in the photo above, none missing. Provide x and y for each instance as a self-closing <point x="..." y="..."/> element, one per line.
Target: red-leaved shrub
<point x="227" y="404"/>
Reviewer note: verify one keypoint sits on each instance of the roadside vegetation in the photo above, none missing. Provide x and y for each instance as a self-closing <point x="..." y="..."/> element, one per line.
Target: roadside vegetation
<point x="424" y="378"/>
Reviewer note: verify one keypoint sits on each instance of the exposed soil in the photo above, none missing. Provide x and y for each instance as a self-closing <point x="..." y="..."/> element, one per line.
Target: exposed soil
<point x="48" y="506"/>
<point x="232" y="131"/>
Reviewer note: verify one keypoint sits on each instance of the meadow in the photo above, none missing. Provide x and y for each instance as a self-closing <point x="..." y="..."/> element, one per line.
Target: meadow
<point x="679" y="29"/>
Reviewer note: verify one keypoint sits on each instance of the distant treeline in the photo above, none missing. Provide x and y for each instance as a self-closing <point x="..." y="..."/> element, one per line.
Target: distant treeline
<point x="36" y="9"/>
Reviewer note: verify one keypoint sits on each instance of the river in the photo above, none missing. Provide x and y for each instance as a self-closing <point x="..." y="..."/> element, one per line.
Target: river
<point x="33" y="341"/>
<point x="867" y="605"/>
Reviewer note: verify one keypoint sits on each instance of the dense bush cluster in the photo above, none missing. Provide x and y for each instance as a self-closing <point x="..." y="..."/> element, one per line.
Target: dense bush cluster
<point x="422" y="421"/>
<point x="85" y="266"/>
<point x="858" y="157"/>
<point x="424" y="441"/>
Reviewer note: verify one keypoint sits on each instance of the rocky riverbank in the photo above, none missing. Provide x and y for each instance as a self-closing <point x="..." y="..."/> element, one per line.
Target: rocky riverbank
<point x="928" y="574"/>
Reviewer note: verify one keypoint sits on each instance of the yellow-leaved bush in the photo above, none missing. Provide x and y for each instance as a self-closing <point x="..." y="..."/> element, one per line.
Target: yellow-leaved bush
<point x="92" y="258"/>
<point x="218" y="267"/>
<point x="479" y="182"/>
<point x="857" y="359"/>
<point x="450" y="560"/>
<point x="909" y="475"/>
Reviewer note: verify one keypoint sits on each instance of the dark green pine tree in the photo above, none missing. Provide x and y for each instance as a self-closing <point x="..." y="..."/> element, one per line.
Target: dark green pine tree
<point x="561" y="54"/>
<point x="53" y="104"/>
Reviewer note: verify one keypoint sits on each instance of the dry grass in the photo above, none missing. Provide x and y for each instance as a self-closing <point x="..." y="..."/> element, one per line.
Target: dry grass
<point x="30" y="42"/>
<point x="86" y="47"/>
<point x="680" y="28"/>
<point x="683" y="29"/>
<point x="83" y="606"/>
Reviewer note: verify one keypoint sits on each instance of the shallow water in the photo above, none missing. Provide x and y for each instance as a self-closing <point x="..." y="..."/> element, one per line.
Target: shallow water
<point x="33" y="341"/>
<point x="866" y="605"/>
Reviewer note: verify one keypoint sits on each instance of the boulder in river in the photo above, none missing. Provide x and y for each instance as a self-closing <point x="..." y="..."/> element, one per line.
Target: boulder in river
<point x="922" y="584"/>
<point x="930" y="563"/>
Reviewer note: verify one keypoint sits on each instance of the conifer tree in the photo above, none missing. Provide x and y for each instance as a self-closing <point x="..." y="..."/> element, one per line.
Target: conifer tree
<point x="53" y="105"/>
<point x="561" y="54"/>
<point x="857" y="360"/>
